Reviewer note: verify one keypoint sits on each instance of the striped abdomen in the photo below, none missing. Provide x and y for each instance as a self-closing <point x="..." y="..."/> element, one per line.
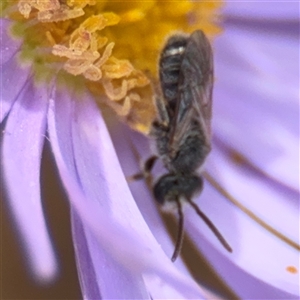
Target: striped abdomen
<point x="169" y="66"/>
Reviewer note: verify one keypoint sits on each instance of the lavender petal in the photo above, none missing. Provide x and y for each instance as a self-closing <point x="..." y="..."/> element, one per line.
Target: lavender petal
<point x="244" y="283"/>
<point x="8" y="45"/>
<point x="256" y="99"/>
<point x="95" y="155"/>
<point x="12" y="77"/>
<point x="12" y="85"/>
<point x="260" y="254"/>
<point x="119" y="225"/>
<point x="264" y="10"/>
<point x="133" y="149"/>
<point x="21" y="155"/>
<point x="87" y="276"/>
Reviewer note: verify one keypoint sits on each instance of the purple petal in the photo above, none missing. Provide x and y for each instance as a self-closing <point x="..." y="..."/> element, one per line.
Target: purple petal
<point x="22" y="146"/>
<point x="254" y="117"/>
<point x="61" y="112"/>
<point x="256" y="99"/>
<point x="243" y="283"/>
<point x="87" y="276"/>
<point x="87" y="259"/>
<point x="90" y="142"/>
<point x="133" y="149"/>
<point x="114" y="228"/>
<point x="261" y="255"/>
<point x="256" y="114"/>
<point x="105" y="167"/>
<point x="239" y="181"/>
<point x="13" y="76"/>
<point x="263" y="10"/>
<point x="113" y="279"/>
<point x="13" y="79"/>
<point x="8" y="45"/>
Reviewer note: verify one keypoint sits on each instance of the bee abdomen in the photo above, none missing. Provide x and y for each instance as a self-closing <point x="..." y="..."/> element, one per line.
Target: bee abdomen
<point x="170" y="65"/>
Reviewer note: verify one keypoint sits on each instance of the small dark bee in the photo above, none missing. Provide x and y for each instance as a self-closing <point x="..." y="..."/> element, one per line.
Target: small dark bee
<point x="182" y="129"/>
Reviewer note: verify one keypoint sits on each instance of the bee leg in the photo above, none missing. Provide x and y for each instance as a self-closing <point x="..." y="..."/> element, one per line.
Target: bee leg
<point x="146" y="172"/>
<point x="162" y="111"/>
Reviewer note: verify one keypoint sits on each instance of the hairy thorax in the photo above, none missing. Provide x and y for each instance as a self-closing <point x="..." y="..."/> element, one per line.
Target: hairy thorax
<point x="187" y="155"/>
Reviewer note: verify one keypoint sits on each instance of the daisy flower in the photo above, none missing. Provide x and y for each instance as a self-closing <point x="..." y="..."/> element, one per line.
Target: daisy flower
<point x="62" y="60"/>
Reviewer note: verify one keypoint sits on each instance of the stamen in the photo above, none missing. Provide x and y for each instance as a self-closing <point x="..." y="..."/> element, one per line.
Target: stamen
<point x="80" y="3"/>
<point x="98" y="22"/>
<point x="139" y="80"/>
<point x="62" y="14"/>
<point x="92" y="73"/>
<point x="118" y="68"/>
<point x="105" y="56"/>
<point x="80" y="40"/>
<point x="76" y="34"/>
<point x="25" y="6"/>
<point x="122" y="110"/>
<point x="115" y="94"/>
<point x="50" y="38"/>
<point x="63" y="51"/>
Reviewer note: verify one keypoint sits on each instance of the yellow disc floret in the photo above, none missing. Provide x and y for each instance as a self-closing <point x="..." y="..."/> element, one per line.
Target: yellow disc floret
<point x="113" y="46"/>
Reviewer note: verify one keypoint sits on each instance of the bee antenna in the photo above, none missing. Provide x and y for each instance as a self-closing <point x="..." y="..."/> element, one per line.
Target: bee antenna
<point x="211" y="226"/>
<point x="179" y="238"/>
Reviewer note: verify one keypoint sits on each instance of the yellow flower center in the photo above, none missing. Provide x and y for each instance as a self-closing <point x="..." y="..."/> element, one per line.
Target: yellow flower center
<point x="112" y="47"/>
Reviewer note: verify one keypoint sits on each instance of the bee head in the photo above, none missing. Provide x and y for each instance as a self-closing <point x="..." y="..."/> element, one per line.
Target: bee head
<point x="174" y="186"/>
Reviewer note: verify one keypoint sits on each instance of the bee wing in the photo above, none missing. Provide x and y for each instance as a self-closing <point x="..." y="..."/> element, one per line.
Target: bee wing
<point x="195" y="88"/>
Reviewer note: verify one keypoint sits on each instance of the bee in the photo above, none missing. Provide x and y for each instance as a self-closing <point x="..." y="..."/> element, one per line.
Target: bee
<point x="182" y="129"/>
